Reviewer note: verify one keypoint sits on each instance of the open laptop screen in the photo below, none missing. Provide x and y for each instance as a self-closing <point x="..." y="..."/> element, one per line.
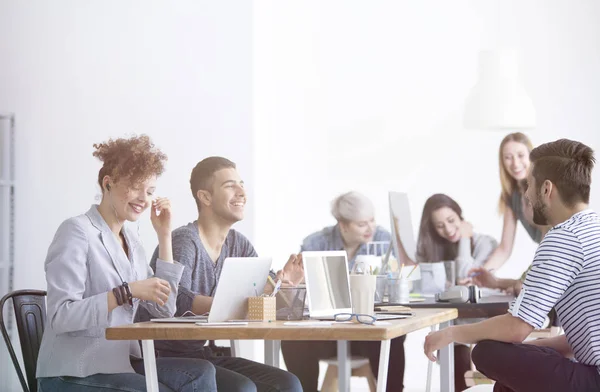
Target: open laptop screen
<point x="327" y="284"/>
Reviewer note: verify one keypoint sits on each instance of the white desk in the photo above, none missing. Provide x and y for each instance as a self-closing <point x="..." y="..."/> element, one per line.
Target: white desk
<point x="274" y="332"/>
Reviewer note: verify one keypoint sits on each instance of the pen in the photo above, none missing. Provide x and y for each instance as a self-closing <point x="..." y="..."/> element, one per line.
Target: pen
<point x="276" y="289"/>
<point x="474" y="274"/>
<point x="411" y="271"/>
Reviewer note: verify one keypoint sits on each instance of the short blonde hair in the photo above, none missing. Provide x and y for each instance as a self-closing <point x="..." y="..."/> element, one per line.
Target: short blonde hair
<point x="352" y="207"/>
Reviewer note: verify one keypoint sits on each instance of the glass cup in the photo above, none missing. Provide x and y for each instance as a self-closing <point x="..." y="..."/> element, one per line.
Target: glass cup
<point x="399" y="290"/>
<point x="381" y="288"/>
<point x="450" y="268"/>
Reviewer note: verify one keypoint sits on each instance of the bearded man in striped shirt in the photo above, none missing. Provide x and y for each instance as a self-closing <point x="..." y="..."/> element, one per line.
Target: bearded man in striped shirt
<point x="565" y="274"/>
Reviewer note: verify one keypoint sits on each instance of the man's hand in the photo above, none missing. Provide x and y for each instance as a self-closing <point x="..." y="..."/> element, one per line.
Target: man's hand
<point x="483" y="278"/>
<point x="514" y="289"/>
<point x="435" y="341"/>
<point x="293" y="271"/>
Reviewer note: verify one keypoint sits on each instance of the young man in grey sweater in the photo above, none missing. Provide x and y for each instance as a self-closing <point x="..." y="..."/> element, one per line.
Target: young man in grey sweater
<point x="202" y="246"/>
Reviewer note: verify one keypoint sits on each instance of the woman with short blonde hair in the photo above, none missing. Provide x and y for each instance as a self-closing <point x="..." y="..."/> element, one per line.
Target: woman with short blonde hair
<point x="355" y="227"/>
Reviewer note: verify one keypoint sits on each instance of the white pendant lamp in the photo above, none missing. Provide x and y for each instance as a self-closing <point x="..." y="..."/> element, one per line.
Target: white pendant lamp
<point x="498" y="100"/>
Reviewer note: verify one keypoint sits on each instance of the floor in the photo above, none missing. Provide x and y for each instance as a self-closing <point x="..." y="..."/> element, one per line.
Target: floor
<point x="415" y="375"/>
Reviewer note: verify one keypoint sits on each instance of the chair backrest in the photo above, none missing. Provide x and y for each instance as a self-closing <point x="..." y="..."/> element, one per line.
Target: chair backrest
<point x="30" y="314"/>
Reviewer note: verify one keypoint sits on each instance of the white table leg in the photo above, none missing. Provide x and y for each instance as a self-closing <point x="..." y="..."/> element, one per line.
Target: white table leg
<point x="430" y="365"/>
<point x="447" y="364"/>
<point x="343" y="355"/>
<point x="272" y="349"/>
<point x="384" y="362"/>
<point x="235" y="348"/>
<point x="150" y="365"/>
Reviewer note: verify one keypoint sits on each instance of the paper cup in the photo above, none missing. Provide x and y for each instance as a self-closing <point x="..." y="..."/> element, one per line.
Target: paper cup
<point x="362" y="291"/>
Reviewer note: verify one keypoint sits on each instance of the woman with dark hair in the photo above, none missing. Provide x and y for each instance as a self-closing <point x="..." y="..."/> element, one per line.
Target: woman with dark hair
<point x="444" y="235"/>
<point x="98" y="276"/>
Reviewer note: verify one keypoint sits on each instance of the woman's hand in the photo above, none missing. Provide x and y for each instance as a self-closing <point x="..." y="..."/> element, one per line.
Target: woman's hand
<point x="153" y="289"/>
<point x="483" y="278"/>
<point x="161" y="216"/>
<point x="293" y="271"/>
<point x="466" y="230"/>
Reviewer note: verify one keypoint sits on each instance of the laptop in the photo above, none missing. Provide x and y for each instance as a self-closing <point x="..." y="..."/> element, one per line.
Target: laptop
<point x="241" y="277"/>
<point x="328" y="286"/>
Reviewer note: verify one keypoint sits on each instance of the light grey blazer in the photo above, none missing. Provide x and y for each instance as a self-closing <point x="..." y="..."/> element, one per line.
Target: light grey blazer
<point x="84" y="262"/>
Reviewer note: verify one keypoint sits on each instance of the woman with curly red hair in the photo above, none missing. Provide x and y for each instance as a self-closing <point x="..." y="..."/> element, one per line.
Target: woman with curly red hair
<point x="98" y="275"/>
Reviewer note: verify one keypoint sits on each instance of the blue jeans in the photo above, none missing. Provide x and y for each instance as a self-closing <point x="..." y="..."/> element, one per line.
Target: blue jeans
<point x="242" y="375"/>
<point x="174" y="375"/>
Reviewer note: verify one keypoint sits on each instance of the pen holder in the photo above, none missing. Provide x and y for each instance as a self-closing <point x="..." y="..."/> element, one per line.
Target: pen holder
<point x="261" y="308"/>
<point x="399" y="290"/>
<point x="290" y="303"/>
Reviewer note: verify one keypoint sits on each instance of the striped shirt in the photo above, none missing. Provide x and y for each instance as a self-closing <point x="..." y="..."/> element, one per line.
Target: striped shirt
<point x="565" y="275"/>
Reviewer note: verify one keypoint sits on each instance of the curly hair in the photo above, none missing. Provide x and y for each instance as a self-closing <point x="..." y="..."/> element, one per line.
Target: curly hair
<point x="134" y="159"/>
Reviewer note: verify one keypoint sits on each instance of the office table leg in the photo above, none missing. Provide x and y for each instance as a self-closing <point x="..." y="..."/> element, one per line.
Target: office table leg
<point x="447" y="364"/>
<point x="272" y="348"/>
<point x="235" y="348"/>
<point x="150" y="365"/>
<point x="384" y="361"/>
<point x="343" y="354"/>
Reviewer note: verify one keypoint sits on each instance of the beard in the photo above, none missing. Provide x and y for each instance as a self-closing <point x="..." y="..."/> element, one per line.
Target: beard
<point x="540" y="211"/>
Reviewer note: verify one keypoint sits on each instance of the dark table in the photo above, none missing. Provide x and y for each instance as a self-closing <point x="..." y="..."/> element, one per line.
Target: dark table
<point x="488" y="306"/>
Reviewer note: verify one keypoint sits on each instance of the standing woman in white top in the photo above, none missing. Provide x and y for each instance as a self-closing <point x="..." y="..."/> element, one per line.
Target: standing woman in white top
<point x="514" y="163"/>
<point x="98" y="275"/>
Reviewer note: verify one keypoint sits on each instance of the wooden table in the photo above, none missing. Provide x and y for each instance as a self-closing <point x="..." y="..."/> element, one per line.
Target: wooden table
<point x="274" y="332"/>
<point x="488" y="306"/>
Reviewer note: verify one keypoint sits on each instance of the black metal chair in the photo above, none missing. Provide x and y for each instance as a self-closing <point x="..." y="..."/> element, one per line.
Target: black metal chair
<point x="30" y="314"/>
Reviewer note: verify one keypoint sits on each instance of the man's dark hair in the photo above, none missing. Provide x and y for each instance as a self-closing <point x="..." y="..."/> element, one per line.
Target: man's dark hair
<point x="568" y="165"/>
<point x="203" y="174"/>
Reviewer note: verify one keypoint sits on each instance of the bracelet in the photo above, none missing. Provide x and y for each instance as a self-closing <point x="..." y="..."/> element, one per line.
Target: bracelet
<point x="123" y="294"/>
<point x="117" y="292"/>
<point x="128" y="291"/>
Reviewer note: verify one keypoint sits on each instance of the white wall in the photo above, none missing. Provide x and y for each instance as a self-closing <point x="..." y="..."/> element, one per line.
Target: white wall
<point x="76" y="73"/>
<point x="369" y="96"/>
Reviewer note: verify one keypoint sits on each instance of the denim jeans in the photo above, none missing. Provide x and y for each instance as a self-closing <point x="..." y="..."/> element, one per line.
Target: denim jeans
<point x="523" y="367"/>
<point x="174" y="375"/>
<point x="242" y="375"/>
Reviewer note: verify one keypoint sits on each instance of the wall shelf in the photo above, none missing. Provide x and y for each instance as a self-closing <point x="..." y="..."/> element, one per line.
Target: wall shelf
<point x="7" y="226"/>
